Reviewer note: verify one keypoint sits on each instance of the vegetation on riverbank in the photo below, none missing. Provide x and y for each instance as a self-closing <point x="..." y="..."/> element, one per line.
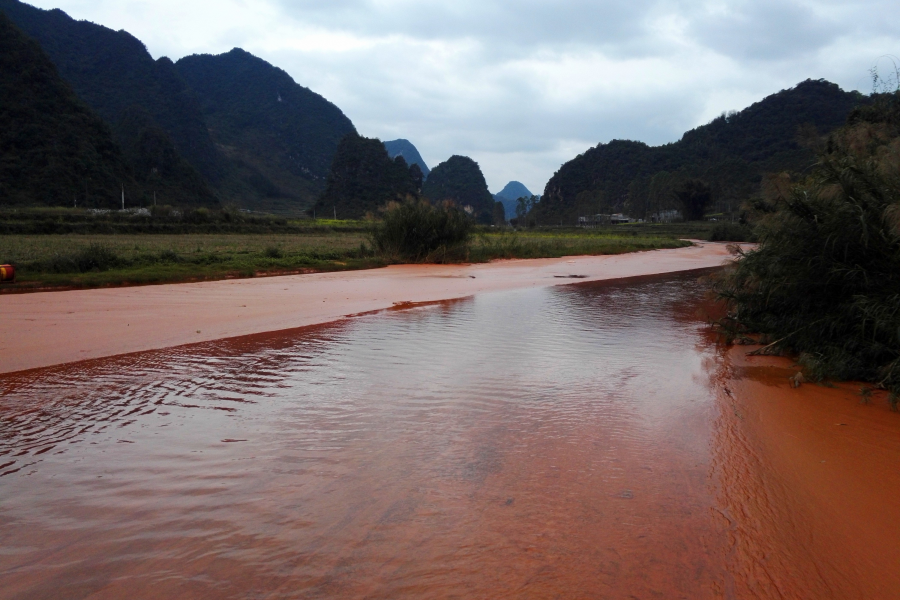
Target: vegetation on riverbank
<point x="418" y="231"/>
<point x="72" y="260"/>
<point x="100" y="260"/>
<point x="824" y="284"/>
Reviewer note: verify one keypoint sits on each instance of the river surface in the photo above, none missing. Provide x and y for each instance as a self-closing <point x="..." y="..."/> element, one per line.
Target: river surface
<point x="557" y="442"/>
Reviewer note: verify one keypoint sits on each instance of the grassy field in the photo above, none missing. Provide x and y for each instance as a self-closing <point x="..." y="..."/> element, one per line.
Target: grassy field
<point x="76" y="261"/>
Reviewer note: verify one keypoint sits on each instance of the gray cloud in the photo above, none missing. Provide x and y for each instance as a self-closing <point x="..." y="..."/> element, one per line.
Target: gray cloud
<point x="765" y="30"/>
<point x="522" y="23"/>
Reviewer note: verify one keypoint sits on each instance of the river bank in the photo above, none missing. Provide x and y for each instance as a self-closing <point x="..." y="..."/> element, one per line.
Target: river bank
<point x="44" y="329"/>
<point x="808" y="483"/>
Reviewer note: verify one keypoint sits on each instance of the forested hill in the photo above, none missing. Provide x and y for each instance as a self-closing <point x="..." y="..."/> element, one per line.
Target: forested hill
<point x="247" y="132"/>
<point x="409" y="153"/>
<point x="53" y="148"/>
<point x="460" y="179"/>
<point x="731" y="153"/>
<point x="113" y="72"/>
<point x="364" y="178"/>
<point x="264" y="120"/>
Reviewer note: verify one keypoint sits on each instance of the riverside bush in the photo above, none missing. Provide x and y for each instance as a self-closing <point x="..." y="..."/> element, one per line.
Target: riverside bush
<point x="417" y="231"/>
<point x="732" y="232"/>
<point x="824" y="282"/>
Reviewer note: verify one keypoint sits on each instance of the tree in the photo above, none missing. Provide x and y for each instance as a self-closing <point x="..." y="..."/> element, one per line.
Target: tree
<point x="499" y="214"/>
<point x="694" y="195"/>
<point x="418" y="178"/>
<point x="524" y="205"/>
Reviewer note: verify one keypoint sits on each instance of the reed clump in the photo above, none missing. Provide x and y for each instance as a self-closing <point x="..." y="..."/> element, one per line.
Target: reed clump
<point x="824" y="282"/>
<point x="417" y="231"/>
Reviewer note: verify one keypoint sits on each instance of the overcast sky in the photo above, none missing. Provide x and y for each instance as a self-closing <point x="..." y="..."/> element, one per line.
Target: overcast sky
<point x="524" y="86"/>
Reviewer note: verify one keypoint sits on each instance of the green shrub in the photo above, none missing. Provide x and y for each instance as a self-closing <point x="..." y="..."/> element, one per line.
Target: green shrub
<point x="169" y="256"/>
<point x="273" y="252"/>
<point x="94" y="257"/>
<point x="417" y="231"/>
<point x="824" y="282"/>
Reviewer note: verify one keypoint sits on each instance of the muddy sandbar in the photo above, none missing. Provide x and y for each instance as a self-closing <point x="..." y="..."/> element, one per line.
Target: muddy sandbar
<point x="50" y="328"/>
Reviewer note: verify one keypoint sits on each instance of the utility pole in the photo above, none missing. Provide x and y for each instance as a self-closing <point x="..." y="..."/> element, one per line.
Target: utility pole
<point x="123" y="197"/>
<point x="335" y="212"/>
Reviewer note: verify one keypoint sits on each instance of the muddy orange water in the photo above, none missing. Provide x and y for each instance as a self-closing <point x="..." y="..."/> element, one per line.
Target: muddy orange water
<point x="584" y="441"/>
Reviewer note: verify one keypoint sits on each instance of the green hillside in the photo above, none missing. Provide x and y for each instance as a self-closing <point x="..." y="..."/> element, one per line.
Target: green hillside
<point x="272" y="128"/>
<point x="731" y="154"/>
<point x="113" y="72"/>
<point x="242" y="132"/>
<point x="363" y="179"/>
<point x="53" y="149"/>
<point x="460" y="179"/>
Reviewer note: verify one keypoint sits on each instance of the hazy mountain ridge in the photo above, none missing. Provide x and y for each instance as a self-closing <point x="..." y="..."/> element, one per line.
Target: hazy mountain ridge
<point x="731" y="153"/>
<point x="409" y="152"/>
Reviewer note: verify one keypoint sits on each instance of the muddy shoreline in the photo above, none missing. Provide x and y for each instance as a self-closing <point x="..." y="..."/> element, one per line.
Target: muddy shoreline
<point x="808" y="483"/>
<point x="52" y="328"/>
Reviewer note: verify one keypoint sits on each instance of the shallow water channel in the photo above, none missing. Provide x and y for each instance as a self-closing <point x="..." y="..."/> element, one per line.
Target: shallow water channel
<point x="543" y="443"/>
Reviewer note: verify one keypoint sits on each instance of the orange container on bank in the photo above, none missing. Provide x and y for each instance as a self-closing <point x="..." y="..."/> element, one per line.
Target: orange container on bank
<point x="7" y="273"/>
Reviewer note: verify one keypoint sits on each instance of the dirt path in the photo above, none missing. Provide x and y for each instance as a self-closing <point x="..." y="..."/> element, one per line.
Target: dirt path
<point x="44" y="329"/>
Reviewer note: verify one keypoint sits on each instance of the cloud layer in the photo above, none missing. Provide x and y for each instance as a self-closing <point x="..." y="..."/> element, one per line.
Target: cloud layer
<point x="524" y="86"/>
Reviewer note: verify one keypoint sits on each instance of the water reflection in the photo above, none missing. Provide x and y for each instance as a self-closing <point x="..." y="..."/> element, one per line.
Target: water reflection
<point x="531" y="443"/>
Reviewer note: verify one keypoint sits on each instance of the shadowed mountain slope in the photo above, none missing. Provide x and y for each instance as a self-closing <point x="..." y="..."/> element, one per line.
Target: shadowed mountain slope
<point x="53" y="149"/>
<point x="113" y="72"/>
<point x="259" y="117"/>
<point x="253" y="135"/>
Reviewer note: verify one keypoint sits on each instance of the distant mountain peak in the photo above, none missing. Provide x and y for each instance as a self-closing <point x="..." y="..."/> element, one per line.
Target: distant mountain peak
<point x="409" y="153"/>
<point x="513" y="191"/>
<point x="509" y="194"/>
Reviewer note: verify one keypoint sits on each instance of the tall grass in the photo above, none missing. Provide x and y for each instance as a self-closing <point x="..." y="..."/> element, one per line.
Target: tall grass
<point x="824" y="283"/>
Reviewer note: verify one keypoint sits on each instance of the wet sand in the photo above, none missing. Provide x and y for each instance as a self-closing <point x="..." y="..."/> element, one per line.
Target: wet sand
<point x="44" y="329"/>
<point x="809" y="481"/>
